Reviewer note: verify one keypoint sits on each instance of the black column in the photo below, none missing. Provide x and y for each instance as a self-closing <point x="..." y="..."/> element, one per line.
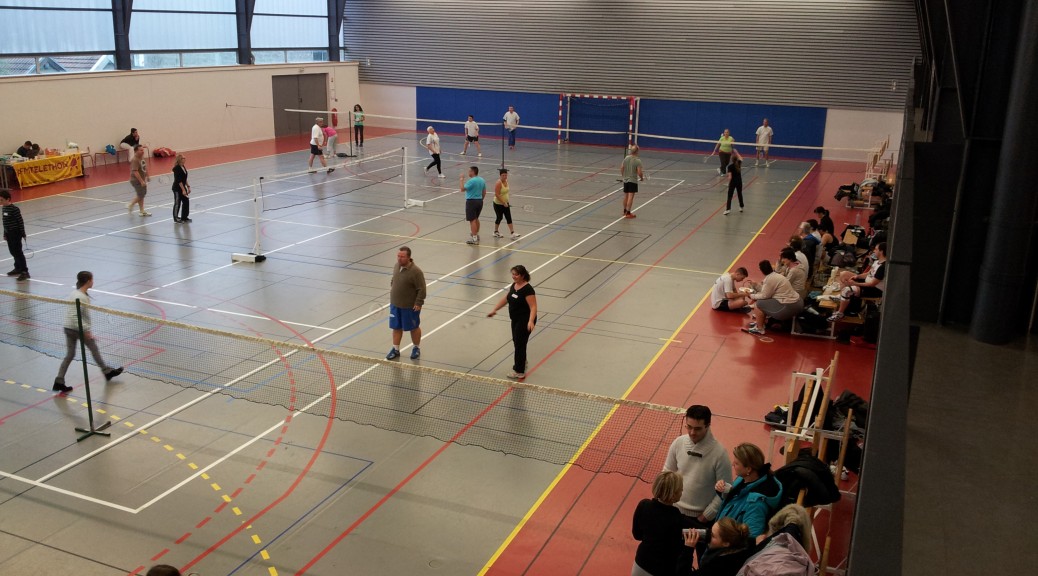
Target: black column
<point x="1006" y="281"/>
<point x="244" y="10"/>
<point x="121" y="11"/>
<point x="336" y="14"/>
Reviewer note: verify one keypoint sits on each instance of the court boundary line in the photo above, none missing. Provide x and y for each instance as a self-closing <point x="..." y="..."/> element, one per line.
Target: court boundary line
<point x="666" y="346"/>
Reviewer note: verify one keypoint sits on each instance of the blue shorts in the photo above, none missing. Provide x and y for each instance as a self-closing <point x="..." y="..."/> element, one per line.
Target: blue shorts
<point x="404" y="319"/>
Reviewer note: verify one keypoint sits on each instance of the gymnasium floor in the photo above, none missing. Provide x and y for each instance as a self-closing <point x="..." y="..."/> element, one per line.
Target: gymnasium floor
<point x="620" y="314"/>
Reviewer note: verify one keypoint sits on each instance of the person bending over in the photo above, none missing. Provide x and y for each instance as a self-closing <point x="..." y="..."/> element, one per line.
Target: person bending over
<point x="776" y="299"/>
<point x="725" y="296"/>
<point x="867" y="285"/>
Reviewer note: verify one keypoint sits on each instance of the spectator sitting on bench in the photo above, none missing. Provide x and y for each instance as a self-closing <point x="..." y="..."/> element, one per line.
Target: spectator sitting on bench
<point x="867" y="285"/>
<point x="798" y="250"/>
<point x="726" y="296"/>
<point x="796" y="273"/>
<point x="776" y="299"/>
<point x="131" y="141"/>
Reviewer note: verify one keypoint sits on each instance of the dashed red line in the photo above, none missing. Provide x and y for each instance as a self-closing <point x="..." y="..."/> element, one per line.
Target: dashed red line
<point x="261" y="465"/>
<point x="236" y="492"/>
<point x="278" y="441"/>
<point x="220" y="508"/>
<point x="182" y="538"/>
<point x="250" y="478"/>
<point x="203" y="522"/>
<point x="159" y="555"/>
<point x="136" y="571"/>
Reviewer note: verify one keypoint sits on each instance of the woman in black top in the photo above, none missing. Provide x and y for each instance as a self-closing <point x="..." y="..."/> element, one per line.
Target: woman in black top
<point x="181" y="191"/>
<point x="522" y="309"/>
<point x="734" y="181"/>
<point x="657" y="525"/>
<point x="726" y="552"/>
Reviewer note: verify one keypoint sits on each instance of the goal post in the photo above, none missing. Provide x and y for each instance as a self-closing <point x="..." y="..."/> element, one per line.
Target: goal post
<point x="598" y="119"/>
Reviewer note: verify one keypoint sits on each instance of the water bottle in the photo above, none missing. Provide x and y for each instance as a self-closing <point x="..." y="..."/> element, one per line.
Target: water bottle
<point x="857" y="219"/>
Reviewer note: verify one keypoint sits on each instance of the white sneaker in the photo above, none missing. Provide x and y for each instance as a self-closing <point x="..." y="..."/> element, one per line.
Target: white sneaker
<point x="726" y="212"/>
<point x="497" y="234"/>
<point x="463" y="153"/>
<point x="756" y="162"/>
<point x="473" y="240"/>
<point x="480" y="154"/>
<point x="740" y="208"/>
<point x="516" y="236"/>
<point x="145" y="213"/>
<point x="443" y="175"/>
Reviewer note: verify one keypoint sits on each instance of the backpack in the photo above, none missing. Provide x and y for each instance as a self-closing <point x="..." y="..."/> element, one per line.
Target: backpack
<point x="810" y="473"/>
<point x="163" y="153"/>
<point x="110" y="149"/>
<point x="783" y="556"/>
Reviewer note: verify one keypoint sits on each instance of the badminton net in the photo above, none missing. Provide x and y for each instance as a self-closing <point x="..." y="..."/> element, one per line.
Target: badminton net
<point x="597" y="433"/>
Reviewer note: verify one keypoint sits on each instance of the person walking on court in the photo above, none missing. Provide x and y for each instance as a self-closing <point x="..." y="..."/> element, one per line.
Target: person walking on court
<point x="406" y="297"/>
<point x="73" y="321"/>
<point x="358" y="125"/>
<point x="139" y="180"/>
<point x="522" y="310"/>
<point x="475" y="189"/>
<point x="472" y="135"/>
<point x="511" y="120"/>
<point x="14" y="233"/>
<point x="502" y="207"/>
<point x="734" y="182"/>
<point x="317" y="140"/>
<point x="432" y="144"/>
<point x="631" y="173"/>
<point x="764" y="135"/>
<point x="723" y="149"/>
<point x="181" y="191"/>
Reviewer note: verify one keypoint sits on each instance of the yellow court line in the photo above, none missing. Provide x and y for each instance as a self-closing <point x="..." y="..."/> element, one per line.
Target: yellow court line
<point x="565" y="469"/>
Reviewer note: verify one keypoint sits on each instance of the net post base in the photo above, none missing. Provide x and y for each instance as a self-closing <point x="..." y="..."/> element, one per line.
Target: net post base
<point x="250" y="257"/>
<point x="414" y="203"/>
<point x="88" y="432"/>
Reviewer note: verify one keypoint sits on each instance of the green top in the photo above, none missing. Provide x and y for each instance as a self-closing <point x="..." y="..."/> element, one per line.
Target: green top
<point x="725" y="144"/>
<point x="358" y="118"/>
<point x="630" y="167"/>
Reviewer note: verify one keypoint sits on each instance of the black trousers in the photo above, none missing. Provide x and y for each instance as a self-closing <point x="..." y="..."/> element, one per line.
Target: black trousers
<point x="14" y="245"/>
<point x="502" y="212"/>
<point x="435" y="162"/>
<point x="181" y="204"/>
<point x="520" y="338"/>
<point x="734" y="186"/>
<point x="726" y="159"/>
<point x="358" y="134"/>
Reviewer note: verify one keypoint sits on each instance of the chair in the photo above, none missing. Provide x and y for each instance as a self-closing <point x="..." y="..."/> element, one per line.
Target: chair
<point x="121" y="152"/>
<point x="83" y="157"/>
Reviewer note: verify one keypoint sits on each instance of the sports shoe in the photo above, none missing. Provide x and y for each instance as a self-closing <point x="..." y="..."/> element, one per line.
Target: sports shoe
<point x="330" y="170"/>
<point x="497" y="234"/>
<point x="14" y="272"/>
<point x="740" y="210"/>
<point x="756" y="162"/>
<point x="443" y="175"/>
<point x="726" y="212"/>
<point x="835" y="317"/>
<point x="311" y="171"/>
<point x="393" y="354"/>
<point x="463" y="153"/>
<point x="630" y="215"/>
<point x="756" y="331"/>
<point x="113" y="373"/>
<point x="176" y="220"/>
<point x="753" y="324"/>
<point x="480" y="154"/>
<point x="516" y="375"/>
<point x="23" y="276"/>
<point x="129" y="208"/>
<point x="473" y="240"/>
<point x="415" y="353"/>
<point x="516" y="236"/>
<point x="59" y="386"/>
<point x="145" y="214"/>
<point x="185" y="220"/>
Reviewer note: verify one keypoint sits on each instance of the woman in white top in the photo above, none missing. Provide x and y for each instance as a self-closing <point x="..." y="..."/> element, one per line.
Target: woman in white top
<point x="432" y="144"/>
<point x="472" y="135"/>
<point x="776" y="299"/>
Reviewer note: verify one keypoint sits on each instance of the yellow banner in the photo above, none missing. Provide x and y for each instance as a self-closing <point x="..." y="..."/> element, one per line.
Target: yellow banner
<point x="47" y="170"/>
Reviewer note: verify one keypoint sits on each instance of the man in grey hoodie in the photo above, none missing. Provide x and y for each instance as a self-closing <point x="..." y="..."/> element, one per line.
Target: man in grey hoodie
<point x="702" y="461"/>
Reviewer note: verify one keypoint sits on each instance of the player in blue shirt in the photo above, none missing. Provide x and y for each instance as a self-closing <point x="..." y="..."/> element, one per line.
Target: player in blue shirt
<point x="475" y="189"/>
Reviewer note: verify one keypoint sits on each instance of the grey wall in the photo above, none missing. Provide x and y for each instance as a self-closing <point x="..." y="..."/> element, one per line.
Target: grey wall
<point x="829" y="53"/>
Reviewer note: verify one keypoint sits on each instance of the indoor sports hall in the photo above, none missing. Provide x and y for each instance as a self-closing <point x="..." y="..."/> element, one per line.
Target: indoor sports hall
<point x="258" y="427"/>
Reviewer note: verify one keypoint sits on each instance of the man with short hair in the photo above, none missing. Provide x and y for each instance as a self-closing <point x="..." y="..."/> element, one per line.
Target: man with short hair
<point x="702" y="461"/>
<point x="74" y="321"/>
<point x="631" y="173"/>
<point x="317" y="141"/>
<point x="28" y="150"/>
<point x="511" y="120"/>
<point x="725" y="297"/>
<point x="764" y="135"/>
<point x="406" y="297"/>
<point x="138" y="180"/>
<point x="472" y="135"/>
<point x="14" y="233"/>
<point x="475" y="189"/>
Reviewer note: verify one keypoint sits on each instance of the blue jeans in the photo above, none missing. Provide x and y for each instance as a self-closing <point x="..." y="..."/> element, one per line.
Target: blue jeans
<point x="511" y="137"/>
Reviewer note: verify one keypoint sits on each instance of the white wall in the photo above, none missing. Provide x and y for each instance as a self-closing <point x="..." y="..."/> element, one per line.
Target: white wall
<point x="860" y="129"/>
<point x="389" y="100"/>
<point x="182" y="109"/>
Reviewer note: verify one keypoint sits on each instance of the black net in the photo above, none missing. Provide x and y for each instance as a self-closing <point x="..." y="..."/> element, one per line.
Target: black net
<point x="604" y="114"/>
<point x="596" y="433"/>
<point x="320" y="185"/>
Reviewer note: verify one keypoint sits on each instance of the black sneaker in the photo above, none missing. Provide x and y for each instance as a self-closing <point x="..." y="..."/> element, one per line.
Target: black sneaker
<point x="23" y="276"/>
<point x="14" y="272"/>
<point x="113" y="373"/>
<point x="188" y="220"/>
<point x="59" y="386"/>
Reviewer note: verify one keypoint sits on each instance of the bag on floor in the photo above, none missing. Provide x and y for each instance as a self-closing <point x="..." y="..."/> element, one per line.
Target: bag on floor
<point x="163" y="153"/>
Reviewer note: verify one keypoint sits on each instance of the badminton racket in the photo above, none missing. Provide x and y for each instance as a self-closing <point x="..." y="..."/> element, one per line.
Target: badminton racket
<point x="29" y="252"/>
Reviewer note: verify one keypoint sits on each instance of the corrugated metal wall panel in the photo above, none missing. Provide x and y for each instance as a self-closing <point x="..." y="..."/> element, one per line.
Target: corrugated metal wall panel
<point x="831" y="53"/>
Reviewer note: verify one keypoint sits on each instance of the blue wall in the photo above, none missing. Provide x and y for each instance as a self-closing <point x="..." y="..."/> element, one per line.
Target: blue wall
<point x="793" y="125"/>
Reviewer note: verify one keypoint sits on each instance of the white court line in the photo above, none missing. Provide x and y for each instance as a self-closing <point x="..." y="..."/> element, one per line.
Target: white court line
<point x="39" y="484"/>
<point x="257" y="317"/>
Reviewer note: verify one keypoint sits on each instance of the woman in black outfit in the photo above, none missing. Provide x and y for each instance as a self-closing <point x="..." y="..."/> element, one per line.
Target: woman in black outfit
<point x="657" y="525"/>
<point x="181" y="191"/>
<point x="734" y="181"/>
<point x="522" y="309"/>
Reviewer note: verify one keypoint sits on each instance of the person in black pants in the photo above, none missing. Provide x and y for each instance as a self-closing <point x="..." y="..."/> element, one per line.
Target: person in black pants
<point x="358" y="125"/>
<point x="734" y="182"/>
<point x="522" y="309"/>
<point x="14" y="233"/>
<point x="181" y="191"/>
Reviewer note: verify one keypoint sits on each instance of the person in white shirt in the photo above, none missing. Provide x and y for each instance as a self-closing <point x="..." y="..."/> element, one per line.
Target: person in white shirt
<point x="472" y="135"/>
<point x="74" y="321"/>
<point x="316" y="144"/>
<point x="764" y="134"/>
<point x="432" y="144"/>
<point x="511" y="119"/>
<point x="725" y="297"/>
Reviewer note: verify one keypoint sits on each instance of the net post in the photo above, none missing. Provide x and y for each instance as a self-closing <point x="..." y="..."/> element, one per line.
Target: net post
<point x="403" y="168"/>
<point x="91" y="431"/>
<point x="558" y="138"/>
<point x="504" y="136"/>
<point x="254" y="256"/>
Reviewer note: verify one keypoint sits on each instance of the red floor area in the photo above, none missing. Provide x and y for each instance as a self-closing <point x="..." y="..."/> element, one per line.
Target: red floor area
<point x="583" y="524"/>
<point x="113" y="172"/>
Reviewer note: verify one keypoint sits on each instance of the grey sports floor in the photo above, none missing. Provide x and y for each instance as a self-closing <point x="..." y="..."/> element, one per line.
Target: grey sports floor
<point x="333" y="497"/>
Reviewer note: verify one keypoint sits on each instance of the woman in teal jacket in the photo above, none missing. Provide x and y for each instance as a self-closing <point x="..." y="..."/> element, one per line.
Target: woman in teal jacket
<point x="756" y="492"/>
